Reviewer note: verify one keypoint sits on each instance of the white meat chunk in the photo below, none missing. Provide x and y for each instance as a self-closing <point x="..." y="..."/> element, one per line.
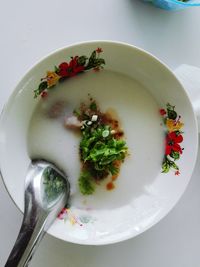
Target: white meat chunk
<point x="72" y="122"/>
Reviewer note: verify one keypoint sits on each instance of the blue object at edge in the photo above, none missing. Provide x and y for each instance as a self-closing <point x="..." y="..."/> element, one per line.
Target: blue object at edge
<point x="173" y="4"/>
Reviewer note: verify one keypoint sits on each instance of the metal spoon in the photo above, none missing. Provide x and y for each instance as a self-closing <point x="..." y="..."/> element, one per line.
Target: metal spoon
<point x="46" y="193"/>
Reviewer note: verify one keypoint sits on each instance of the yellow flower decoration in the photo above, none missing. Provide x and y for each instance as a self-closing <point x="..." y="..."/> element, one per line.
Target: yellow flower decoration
<point x="72" y="219"/>
<point x="52" y="78"/>
<point x="173" y="125"/>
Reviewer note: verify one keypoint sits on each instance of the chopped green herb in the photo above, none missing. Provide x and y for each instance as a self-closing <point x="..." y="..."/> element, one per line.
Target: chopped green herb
<point x="86" y="184"/>
<point x="53" y="183"/>
<point x="105" y="133"/>
<point x="99" y="152"/>
<point x="102" y="149"/>
<point x="93" y="106"/>
<point x="77" y="113"/>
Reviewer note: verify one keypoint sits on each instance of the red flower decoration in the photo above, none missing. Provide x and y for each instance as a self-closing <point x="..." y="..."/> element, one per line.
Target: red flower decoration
<point x="162" y="112"/>
<point x="177" y="172"/>
<point x="44" y="94"/>
<point x="70" y="69"/>
<point x="99" y="50"/>
<point x="60" y="215"/>
<point x="172" y="143"/>
<point x="63" y="69"/>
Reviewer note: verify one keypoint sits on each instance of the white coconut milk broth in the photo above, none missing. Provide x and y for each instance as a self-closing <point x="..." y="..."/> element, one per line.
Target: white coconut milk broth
<point x="140" y="120"/>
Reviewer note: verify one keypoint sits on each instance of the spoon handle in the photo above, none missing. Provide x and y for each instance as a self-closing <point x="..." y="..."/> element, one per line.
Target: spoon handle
<point x="46" y="193"/>
<point x="31" y="233"/>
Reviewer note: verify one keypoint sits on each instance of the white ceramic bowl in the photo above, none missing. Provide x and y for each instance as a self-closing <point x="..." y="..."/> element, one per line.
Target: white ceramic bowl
<point x="143" y="194"/>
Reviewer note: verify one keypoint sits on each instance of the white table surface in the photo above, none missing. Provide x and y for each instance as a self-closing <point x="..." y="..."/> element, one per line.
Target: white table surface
<point x="32" y="29"/>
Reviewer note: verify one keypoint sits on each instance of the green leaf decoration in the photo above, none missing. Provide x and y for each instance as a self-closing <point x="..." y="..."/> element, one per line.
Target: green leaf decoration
<point x="82" y="60"/>
<point x="175" y="155"/>
<point x="165" y="167"/>
<point x="56" y="69"/>
<point x="41" y="88"/>
<point x="173" y="165"/>
<point x="100" y="61"/>
<point x="171" y="114"/>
